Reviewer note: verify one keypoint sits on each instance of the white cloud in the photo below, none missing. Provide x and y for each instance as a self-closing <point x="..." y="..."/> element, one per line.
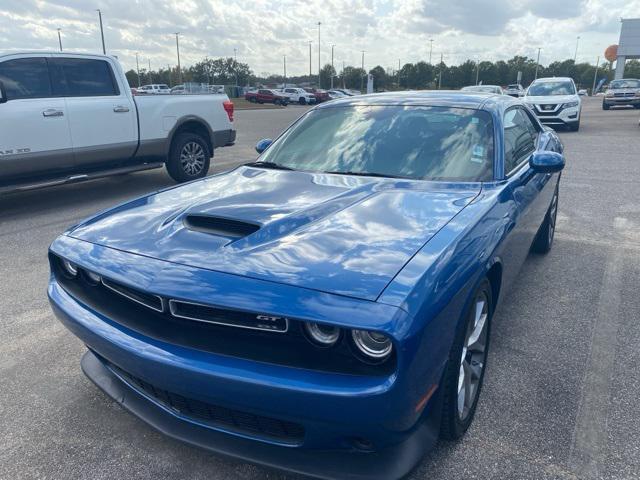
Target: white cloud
<point x="263" y="31"/>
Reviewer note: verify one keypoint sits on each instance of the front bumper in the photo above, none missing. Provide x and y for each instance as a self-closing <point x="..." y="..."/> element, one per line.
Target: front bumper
<point x="613" y="101"/>
<point x="354" y="426"/>
<point x="564" y="117"/>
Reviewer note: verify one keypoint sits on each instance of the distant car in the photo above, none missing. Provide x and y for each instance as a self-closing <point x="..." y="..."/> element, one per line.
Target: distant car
<point x="346" y="92"/>
<point x="299" y="95"/>
<point x="583" y="92"/>
<point x="178" y="90"/>
<point x="265" y="95"/>
<point x="321" y="95"/>
<point x="333" y="94"/>
<point x="621" y="93"/>
<point x="484" y="89"/>
<point x="155" y="89"/>
<point x="555" y="101"/>
<point x="515" y="90"/>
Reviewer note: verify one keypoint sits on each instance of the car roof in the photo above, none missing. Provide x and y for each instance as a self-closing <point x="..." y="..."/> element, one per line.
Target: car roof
<point x="435" y="98"/>
<point x="53" y="53"/>
<point x="552" y="79"/>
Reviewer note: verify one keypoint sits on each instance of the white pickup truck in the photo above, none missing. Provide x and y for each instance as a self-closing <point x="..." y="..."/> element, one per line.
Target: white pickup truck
<point x="71" y="117"/>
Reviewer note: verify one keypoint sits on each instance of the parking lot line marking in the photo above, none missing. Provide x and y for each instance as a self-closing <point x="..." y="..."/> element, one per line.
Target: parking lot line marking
<point x="590" y="431"/>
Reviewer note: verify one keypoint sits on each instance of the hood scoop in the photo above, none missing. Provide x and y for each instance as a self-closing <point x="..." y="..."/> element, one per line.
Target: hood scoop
<point x="219" y="226"/>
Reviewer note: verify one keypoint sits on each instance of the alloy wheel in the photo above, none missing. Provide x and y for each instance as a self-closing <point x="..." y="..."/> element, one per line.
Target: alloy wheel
<point x="192" y="158"/>
<point x="473" y="358"/>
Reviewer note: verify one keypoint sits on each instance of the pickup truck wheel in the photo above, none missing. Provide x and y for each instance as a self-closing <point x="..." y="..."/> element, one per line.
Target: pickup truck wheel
<point x="302" y="101"/>
<point x="189" y="157"/>
<point x="605" y="106"/>
<point x="465" y="369"/>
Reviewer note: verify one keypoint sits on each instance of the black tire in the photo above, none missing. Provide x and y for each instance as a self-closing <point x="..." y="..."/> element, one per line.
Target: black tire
<point x="189" y="157"/>
<point x="546" y="232"/>
<point x="637" y="105"/>
<point x="457" y="418"/>
<point x="302" y="101"/>
<point x="605" y="106"/>
<point x="574" y="127"/>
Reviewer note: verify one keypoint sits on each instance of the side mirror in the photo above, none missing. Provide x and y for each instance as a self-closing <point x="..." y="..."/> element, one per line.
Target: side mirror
<point x="546" y="162"/>
<point x="263" y="144"/>
<point x="3" y="93"/>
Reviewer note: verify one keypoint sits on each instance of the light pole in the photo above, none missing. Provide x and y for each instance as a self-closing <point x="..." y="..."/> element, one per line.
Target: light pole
<point x="430" y="49"/>
<point x="284" y="64"/>
<point x="363" y="73"/>
<point x="138" y="69"/>
<point x="575" y="55"/>
<point x="177" y="34"/>
<point x="477" y="71"/>
<point x="235" y="63"/>
<point x="149" y="72"/>
<point x="104" y="50"/>
<point x="309" y="61"/>
<point x="440" y="73"/>
<point x="398" y="73"/>
<point x="537" y="64"/>
<point x="319" y="23"/>
<point x="332" y="69"/>
<point x="595" y="76"/>
<point x="59" y="39"/>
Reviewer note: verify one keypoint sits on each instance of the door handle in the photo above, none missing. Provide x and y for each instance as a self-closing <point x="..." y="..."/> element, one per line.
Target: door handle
<point x="52" y="112"/>
<point x="120" y="109"/>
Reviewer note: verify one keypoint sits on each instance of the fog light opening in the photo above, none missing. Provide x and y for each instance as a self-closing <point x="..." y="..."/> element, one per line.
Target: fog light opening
<point x="71" y="269"/>
<point x="322" y="335"/>
<point x="362" y="444"/>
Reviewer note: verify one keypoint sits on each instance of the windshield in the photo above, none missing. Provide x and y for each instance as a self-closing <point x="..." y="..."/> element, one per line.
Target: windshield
<point x="426" y="143"/>
<point x="545" y="89"/>
<point x="625" y="84"/>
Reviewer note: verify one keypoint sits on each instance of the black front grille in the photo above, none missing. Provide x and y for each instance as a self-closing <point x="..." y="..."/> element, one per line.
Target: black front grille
<point x="234" y="420"/>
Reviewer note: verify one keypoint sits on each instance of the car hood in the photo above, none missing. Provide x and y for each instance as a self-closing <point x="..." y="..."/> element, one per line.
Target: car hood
<point x="333" y="233"/>
<point x="623" y="90"/>
<point x="551" y="99"/>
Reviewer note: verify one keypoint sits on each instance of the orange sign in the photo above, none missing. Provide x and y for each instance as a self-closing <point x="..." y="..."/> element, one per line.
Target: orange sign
<point x="611" y="53"/>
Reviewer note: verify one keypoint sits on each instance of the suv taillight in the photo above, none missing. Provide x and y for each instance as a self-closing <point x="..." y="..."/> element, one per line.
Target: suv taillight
<point x="228" y="107"/>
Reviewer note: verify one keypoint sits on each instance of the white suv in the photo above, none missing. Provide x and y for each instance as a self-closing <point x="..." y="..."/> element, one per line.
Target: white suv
<point x="299" y="95"/>
<point x="555" y="101"/>
<point x="155" y="89"/>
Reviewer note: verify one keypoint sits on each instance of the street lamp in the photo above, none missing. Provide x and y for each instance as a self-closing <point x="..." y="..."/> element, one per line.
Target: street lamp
<point x="235" y="63"/>
<point x="319" y="23"/>
<point x="575" y="55"/>
<point x="138" y="69"/>
<point x="310" y="61"/>
<point x="362" y="78"/>
<point x="332" y="69"/>
<point x="177" y="34"/>
<point x="59" y="39"/>
<point x="104" y="50"/>
<point x="430" y="50"/>
<point x="538" y="64"/>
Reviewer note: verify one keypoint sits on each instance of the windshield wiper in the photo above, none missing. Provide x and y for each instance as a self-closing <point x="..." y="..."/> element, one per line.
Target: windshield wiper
<point x="275" y="166"/>
<point x="366" y="174"/>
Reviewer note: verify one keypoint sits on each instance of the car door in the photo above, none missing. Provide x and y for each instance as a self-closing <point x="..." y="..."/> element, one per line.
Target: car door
<point x="529" y="192"/>
<point x="102" y="117"/>
<point x="34" y="132"/>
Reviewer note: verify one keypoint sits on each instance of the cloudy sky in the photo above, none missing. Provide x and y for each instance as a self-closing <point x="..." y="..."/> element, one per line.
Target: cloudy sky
<point x="263" y="31"/>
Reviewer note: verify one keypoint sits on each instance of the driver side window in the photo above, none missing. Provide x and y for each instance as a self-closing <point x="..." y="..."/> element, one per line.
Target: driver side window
<point x="520" y="136"/>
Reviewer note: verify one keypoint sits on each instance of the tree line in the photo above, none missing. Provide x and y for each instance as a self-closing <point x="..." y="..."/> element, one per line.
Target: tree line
<point x="420" y="75"/>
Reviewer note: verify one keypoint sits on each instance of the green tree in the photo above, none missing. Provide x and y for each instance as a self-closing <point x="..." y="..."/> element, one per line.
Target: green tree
<point x="380" y="78"/>
<point x="326" y="73"/>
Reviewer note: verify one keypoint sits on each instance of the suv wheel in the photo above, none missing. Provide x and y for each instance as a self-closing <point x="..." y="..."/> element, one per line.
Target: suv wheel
<point x="302" y="101"/>
<point x="605" y="106"/>
<point x="189" y="157"/>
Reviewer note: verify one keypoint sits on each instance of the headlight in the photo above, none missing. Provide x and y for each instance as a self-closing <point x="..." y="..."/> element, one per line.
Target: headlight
<point x="323" y="335"/>
<point x="372" y="344"/>
<point x="70" y="268"/>
<point x="570" y="104"/>
<point x="608" y="93"/>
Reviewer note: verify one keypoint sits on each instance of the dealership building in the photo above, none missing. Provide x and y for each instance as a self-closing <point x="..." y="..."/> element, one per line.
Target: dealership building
<point x="629" y="45"/>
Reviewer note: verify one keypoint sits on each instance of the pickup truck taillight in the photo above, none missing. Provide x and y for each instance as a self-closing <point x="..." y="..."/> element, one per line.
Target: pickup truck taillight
<point x="228" y="107"/>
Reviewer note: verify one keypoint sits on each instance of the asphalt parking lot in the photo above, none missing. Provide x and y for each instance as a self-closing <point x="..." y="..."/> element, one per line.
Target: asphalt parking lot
<point x="560" y="399"/>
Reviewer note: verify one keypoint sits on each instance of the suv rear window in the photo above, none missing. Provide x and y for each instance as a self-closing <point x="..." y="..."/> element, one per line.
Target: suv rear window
<point x="82" y="77"/>
<point x="25" y="78"/>
<point x="631" y="83"/>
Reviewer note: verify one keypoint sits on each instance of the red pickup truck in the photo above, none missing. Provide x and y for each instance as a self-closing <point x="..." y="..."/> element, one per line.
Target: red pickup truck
<point x="321" y="95"/>
<point x="264" y="95"/>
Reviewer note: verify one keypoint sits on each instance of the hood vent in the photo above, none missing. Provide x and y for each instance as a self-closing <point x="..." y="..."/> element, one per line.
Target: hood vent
<point x="223" y="227"/>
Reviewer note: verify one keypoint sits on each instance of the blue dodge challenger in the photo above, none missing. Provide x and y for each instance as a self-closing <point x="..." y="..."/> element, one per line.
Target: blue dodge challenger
<point x="327" y="308"/>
